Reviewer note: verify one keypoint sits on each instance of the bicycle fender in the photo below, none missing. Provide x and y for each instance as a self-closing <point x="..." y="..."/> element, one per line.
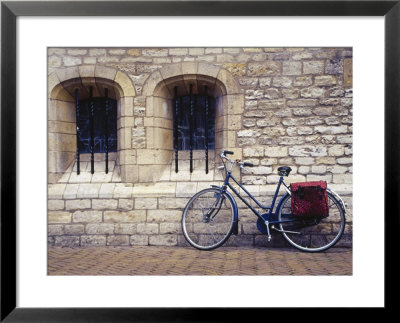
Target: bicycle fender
<point x="235" y="230"/>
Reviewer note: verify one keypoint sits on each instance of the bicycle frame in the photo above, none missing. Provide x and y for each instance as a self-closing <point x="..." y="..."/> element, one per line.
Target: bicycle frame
<point x="266" y="216"/>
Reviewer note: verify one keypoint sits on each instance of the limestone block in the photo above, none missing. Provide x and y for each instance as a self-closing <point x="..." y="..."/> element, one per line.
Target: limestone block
<point x="229" y="81"/>
<point x="291" y="68"/>
<point x="208" y="69"/>
<point x="134" y="52"/>
<point x="263" y="68"/>
<point x="253" y="152"/>
<point x="325" y="80"/>
<point x="70" y="191"/>
<point x="88" y="191"/>
<point x="58" y="217"/>
<point x="74" y="229"/>
<point x="56" y="191"/>
<point x="83" y="177"/>
<point x="312" y="92"/>
<point x="125" y="204"/>
<point x="147" y="228"/>
<point x="129" y="173"/>
<point x="99" y="228"/>
<point x="336" y="150"/>
<point x="154" y="79"/>
<point x="166" y="228"/>
<point x="164" y="216"/>
<point x="125" y="83"/>
<point x="343" y="178"/>
<point x="106" y="190"/>
<point x="313" y="67"/>
<point x="186" y="189"/>
<point x="173" y="203"/>
<point x="77" y="204"/>
<point x="312" y="177"/>
<point x="87" y="216"/>
<point x="55" y="230"/>
<point x="67" y="241"/>
<point x="162" y="189"/>
<point x="331" y="130"/>
<point x="196" y="51"/>
<point x="100" y="204"/>
<point x="337" y="169"/>
<point x="163" y="240"/>
<point x="125" y="216"/>
<point x="55" y="205"/>
<point x="171" y="70"/>
<point x="120" y="240"/>
<point x="125" y="228"/>
<point x="145" y="203"/>
<point x="139" y="240"/>
<point x="304" y="151"/>
<point x="105" y="72"/>
<point x="123" y="190"/>
<point x="283" y="81"/>
<point x="97" y="52"/>
<point x="93" y="240"/>
<point x="86" y="70"/>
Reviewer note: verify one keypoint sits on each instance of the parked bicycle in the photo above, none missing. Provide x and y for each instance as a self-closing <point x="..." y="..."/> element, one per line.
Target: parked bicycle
<point x="211" y="215"/>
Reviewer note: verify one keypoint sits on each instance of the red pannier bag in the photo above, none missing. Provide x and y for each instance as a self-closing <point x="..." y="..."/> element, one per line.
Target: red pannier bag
<point x="310" y="199"/>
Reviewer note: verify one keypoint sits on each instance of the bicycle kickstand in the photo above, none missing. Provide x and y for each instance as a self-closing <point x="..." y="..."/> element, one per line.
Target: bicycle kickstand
<point x="268" y="232"/>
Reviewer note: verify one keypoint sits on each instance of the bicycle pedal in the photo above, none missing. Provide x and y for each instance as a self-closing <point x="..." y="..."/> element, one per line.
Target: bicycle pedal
<point x="269" y="238"/>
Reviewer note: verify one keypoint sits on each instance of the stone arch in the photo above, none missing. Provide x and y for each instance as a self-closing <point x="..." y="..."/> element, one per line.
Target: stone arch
<point x="157" y="153"/>
<point x="61" y="111"/>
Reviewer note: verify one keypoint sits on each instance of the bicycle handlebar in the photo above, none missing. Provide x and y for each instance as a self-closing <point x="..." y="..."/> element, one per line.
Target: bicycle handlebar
<point x="241" y="164"/>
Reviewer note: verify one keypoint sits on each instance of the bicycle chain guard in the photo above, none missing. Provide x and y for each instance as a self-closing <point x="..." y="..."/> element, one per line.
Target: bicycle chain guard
<point x="261" y="226"/>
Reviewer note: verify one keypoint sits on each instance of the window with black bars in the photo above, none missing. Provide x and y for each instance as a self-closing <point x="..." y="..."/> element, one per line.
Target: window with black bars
<point x="194" y="125"/>
<point x="96" y="127"/>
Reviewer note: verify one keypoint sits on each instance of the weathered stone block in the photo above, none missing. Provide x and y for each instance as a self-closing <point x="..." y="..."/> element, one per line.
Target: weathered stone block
<point x="67" y="241"/>
<point x="164" y="215"/>
<point x="263" y="68"/>
<point x="313" y="67"/>
<point x="343" y="178"/>
<point x="276" y="151"/>
<point x="59" y="217"/>
<point x="336" y="150"/>
<point x="304" y="151"/>
<point x="74" y="229"/>
<point x="126" y="216"/>
<point x="77" y="204"/>
<point x="325" y="80"/>
<point x="147" y="228"/>
<point x="99" y="228"/>
<point x="185" y="189"/>
<point x="125" y="228"/>
<point x="87" y="216"/>
<point x="291" y="68"/>
<point x="93" y="240"/>
<point x="55" y="230"/>
<point x="120" y="240"/>
<point x="170" y="228"/>
<point x="100" y="204"/>
<point x="88" y="191"/>
<point x="139" y="240"/>
<point x="55" y="205"/>
<point x="163" y="240"/>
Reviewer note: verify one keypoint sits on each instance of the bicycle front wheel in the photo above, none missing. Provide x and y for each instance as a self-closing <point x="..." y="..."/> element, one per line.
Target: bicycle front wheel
<point x="208" y="218"/>
<point x="312" y="234"/>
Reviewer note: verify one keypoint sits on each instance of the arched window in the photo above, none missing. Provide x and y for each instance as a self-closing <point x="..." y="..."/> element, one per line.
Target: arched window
<point x="194" y="124"/>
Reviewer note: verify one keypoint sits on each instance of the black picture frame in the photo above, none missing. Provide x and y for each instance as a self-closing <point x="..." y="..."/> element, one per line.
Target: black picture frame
<point x="10" y="10"/>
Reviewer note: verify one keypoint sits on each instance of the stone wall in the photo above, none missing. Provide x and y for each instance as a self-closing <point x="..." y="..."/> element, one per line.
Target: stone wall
<point x="275" y="107"/>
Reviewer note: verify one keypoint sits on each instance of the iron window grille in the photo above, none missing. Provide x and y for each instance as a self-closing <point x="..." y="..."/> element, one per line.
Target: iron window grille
<point x="96" y="127"/>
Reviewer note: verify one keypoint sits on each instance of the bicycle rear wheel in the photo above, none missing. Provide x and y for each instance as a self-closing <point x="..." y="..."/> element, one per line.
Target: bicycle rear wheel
<point x="315" y="234"/>
<point x="208" y="218"/>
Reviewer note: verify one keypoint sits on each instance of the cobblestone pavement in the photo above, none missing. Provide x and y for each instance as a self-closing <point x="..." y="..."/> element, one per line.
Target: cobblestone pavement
<point x="188" y="261"/>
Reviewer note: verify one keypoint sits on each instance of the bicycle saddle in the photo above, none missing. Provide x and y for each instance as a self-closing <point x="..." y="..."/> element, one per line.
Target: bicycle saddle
<point x="284" y="171"/>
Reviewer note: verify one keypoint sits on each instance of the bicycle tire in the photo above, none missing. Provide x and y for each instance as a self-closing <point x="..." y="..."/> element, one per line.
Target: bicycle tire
<point x="313" y="235"/>
<point x="209" y="235"/>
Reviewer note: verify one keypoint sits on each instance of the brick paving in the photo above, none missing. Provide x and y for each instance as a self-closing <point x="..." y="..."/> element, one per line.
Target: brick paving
<point x="188" y="261"/>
